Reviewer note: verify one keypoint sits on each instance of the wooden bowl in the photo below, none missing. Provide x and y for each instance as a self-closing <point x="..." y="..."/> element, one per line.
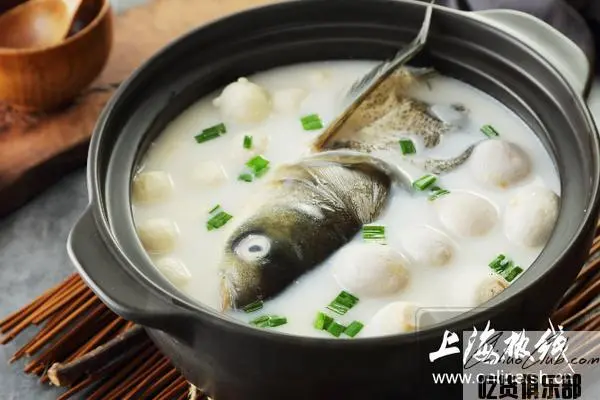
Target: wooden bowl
<point x="46" y="78"/>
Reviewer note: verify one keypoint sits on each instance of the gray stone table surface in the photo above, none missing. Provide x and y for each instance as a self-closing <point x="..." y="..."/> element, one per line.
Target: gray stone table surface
<point x="33" y="258"/>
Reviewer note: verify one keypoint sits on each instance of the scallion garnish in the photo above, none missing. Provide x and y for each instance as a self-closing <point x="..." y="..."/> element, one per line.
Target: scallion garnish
<point x="407" y="146"/>
<point x="269" y="321"/>
<point x="500" y="263"/>
<point x="424" y="182"/>
<point x="254" y="306"/>
<point x="311" y="122"/>
<point x="373" y="232"/>
<point x="437" y="192"/>
<point x="260" y="321"/>
<point x="258" y="165"/>
<point x="505" y="268"/>
<point x="342" y="303"/>
<point x="210" y="133"/>
<point x="215" y="208"/>
<point x="275" y="321"/>
<point x="353" y="329"/>
<point x="512" y="273"/>
<point x="322" y="321"/>
<point x="217" y="220"/>
<point x="247" y="142"/>
<point x="489" y="131"/>
<point x="336" y="329"/>
<point x="246" y="177"/>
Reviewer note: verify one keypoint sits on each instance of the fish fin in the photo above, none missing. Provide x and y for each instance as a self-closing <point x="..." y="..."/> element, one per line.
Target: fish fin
<point x="369" y="84"/>
<point x="408" y="116"/>
<point x="387" y="110"/>
<point x="442" y="166"/>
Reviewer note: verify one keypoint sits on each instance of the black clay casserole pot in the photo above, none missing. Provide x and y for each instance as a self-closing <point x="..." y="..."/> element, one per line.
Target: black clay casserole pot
<point x="230" y="360"/>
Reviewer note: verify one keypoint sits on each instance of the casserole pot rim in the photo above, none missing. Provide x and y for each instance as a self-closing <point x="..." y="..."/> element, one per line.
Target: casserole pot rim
<point x="188" y="308"/>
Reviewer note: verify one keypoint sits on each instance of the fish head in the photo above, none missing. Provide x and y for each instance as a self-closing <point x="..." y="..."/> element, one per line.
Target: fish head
<point x="263" y="256"/>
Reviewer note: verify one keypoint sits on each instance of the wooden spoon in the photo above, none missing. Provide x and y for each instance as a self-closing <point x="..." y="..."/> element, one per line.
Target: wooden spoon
<point x="39" y="23"/>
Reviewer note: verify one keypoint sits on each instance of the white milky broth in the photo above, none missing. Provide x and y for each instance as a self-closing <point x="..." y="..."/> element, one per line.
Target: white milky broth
<point x="437" y="251"/>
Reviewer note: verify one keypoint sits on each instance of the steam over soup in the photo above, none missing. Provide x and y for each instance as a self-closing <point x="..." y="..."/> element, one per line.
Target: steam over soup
<point x="432" y="195"/>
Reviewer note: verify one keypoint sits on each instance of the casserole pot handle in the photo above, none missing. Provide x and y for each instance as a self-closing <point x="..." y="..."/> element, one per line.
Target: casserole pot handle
<point x="112" y="284"/>
<point x="544" y="39"/>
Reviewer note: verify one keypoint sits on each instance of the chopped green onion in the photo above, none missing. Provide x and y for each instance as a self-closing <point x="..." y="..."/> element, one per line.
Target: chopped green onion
<point x="258" y="165"/>
<point x="254" y="306"/>
<point x="261" y="172"/>
<point x="512" y="273"/>
<point x="311" y="122"/>
<point x="247" y="142"/>
<point x="424" y="182"/>
<point x="215" y="208"/>
<point x="211" y="133"/>
<point x="500" y="263"/>
<point x="437" y="193"/>
<point x="489" y="131"/>
<point x="260" y="321"/>
<point x="342" y="303"/>
<point x="373" y="232"/>
<point x="322" y="321"/>
<point x="269" y="321"/>
<point x="218" y="220"/>
<point x="407" y="146"/>
<point x="505" y="268"/>
<point x="275" y="321"/>
<point x="246" y="177"/>
<point x="353" y="329"/>
<point x="336" y="329"/>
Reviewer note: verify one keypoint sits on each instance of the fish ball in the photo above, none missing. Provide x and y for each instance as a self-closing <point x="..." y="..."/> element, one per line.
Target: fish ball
<point x="151" y="187"/>
<point x="319" y="78"/>
<point x="158" y="235"/>
<point x="488" y="289"/>
<point x="466" y="214"/>
<point x="174" y="270"/>
<point x="209" y="173"/>
<point x="397" y="317"/>
<point x="429" y="247"/>
<point x="499" y="163"/>
<point x="530" y="216"/>
<point x="287" y="101"/>
<point x="243" y="101"/>
<point x="369" y="269"/>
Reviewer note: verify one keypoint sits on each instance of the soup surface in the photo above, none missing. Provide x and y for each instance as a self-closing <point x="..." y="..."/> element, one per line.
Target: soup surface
<point x="429" y="247"/>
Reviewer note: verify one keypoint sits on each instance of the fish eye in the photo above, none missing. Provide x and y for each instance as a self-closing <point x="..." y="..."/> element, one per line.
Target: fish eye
<point x="253" y="248"/>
